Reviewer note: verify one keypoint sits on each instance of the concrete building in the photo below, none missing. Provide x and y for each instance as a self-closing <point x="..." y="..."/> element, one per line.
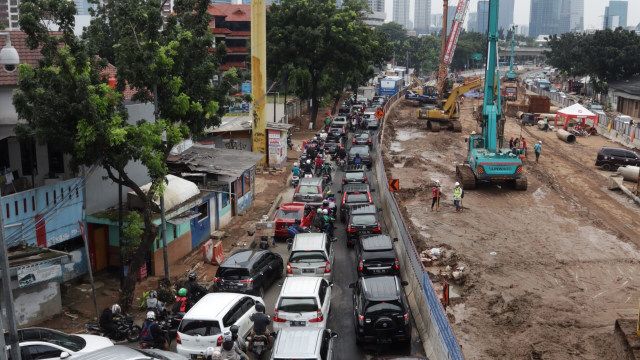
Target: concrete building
<point x="576" y="16"/>
<point x="451" y="13"/>
<point x="9" y="14"/>
<point x="377" y="5"/>
<point x="422" y="16"/>
<point x="232" y="24"/>
<point x="615" y="15"/>
<point x="545" y="17"/>
<point x="377" y="14"/>
<point x="401" y="13"/>
<point x="483" y="17"/>
<point x="505" y="15"/>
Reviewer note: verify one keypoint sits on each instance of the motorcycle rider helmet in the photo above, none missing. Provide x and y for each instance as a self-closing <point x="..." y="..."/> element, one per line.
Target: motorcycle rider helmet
<point x="437" y="182"/>
<point x="259" y="307"/>
<point x="319" y="211"/>
<point x="234" y="329"/>
<point x="325" y="211"/>
<point x="295" y="164"/>
<point x="308" y="162"/>
<point x="115" y="309"/>
<point x="182" y="292"/>
<point x="226" y="336"/>
<point x="192" y="276"/>
<point x="153" y="294"/>
<point x="325" y="202"/>
<point x="151" y="315"/>
<point x="319" y="156"/>
<point x="212" y="353"/>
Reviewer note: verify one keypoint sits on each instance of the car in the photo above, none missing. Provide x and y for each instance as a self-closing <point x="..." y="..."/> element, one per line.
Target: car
<point x="303" y="302"/>
<point x="379" y="100"/>
<point x="363" y="150"/>
<point x="376" y="256"/>
<point x="307" y="343"/>
<point x="248" y="271"/>
<point x="202" y="326"/>
<point x="43" y="343"/>
<point x="362" y="138"/>
<point x="337" y="131"/>
<point x="380" y="311"/>
<point x="357" y="108"/>
<point x="340" y="121"/>
<point x="310" y="191"/>
<point x="121" y="352"/>
<point x="332" y="144"/>
<point x="362" y="100"/>
<point x="354" y="194"/>
<point x="371" y="121"/>
<point x="344" y="110"/>
<point x="611" y="158"/>
<point x="355" y="174"/>
<point x="287" y="215"/>
<point x="362" y="220"/>
<point x="311" y="254"/>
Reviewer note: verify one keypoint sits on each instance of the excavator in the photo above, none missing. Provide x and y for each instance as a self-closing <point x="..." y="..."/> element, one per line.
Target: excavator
<point x="446" y="113"/>
<point x="511" y="75"/>
<point x="486" y="160"/>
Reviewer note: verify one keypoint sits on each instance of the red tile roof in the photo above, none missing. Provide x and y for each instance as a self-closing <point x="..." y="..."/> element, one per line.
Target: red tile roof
<point x="110" y="72"/>
<point x="27" y="55"/>
<point x="233" y="12"/>
<point x="237" y="49"/>
<point x="229" y="65"/>
<point x="240" y="33"/>
<point x="221" y="31"/>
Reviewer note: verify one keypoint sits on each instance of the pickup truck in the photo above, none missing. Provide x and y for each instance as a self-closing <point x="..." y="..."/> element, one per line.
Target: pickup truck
<point x="422" y="99"/>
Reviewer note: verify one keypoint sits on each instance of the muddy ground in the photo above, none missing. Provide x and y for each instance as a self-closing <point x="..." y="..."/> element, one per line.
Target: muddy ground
<point x="546" y="271"/>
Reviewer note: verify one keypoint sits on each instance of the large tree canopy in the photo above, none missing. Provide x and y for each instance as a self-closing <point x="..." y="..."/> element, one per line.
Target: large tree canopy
<point x="64" y="99"/>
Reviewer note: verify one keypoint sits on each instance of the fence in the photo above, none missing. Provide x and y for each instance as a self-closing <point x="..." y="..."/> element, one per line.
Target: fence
<point x="294" y="108"/>
<point x="435" y="331"/>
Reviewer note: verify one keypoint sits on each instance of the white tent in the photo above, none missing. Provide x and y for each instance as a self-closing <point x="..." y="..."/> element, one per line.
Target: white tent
<point x="575" y="111"/>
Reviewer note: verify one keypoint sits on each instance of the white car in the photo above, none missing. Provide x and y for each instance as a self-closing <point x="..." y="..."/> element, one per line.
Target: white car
<point x="43" y="343"/>
<point x="303" y="302"/>
<point x="202" y="326"/>
<point x="121" y="352"/>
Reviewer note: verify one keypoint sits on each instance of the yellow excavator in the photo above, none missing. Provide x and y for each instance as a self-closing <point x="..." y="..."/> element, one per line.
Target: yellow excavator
<point x="447" y="115"/>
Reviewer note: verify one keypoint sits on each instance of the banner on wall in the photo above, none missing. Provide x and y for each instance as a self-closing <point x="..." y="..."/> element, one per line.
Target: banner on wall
<point x="38" y="272"/>
<point x="274" y="138"/>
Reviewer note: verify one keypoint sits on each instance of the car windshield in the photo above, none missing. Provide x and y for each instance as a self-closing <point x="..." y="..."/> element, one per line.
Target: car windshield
<point x="229" y="273"/>
<point x="199" y="327"/>
<point x="363" y="219"/>
<point x="354" y="175"/>
<point x="362" y="137"/>
<point x="308" y="189"/>
<point x="289" y="214"/>
<point x="307" y="256"/>
<point x="297" y="304"/>
<point x="596" y="107"/>
<point x="351" y="198"/>
<point x="384" y="307"/>
<point x="359" y="150"/>
<point x="71" y="342"/>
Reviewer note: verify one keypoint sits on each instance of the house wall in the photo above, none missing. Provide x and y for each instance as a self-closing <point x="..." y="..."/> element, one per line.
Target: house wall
<point x="176" y="250"/>
<point x="241" y="140"/>
<point x="8" y="115"/>
<point x="35" y="303"/>
<point x="277" y="148"/>
<point x="77" y="267"/>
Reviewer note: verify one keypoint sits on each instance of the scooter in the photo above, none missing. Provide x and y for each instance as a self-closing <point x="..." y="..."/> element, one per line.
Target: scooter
<point x="144" y="344"/>
<point x="259" y="345"/>
<point x="295" y="180"/>
<point x="126" y="329"/>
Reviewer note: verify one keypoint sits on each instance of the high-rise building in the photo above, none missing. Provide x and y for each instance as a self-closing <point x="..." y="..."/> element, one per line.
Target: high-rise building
<point x="451" y="13"/>
<point x="615" y="15"/>
<point x="9" y="14"/>
<point x="374" y="5"/>
<point x="545" y="18"/>
<point x="483" y="17"/>
<point x="401" y="13"/>
<point x="576" y="15"/>
<point x="436" y="22"/>
<point x="472" y="21"/>
<point x="505" y="15"/>
<point x="377" y="15"/>
<point x="422" y="16"/>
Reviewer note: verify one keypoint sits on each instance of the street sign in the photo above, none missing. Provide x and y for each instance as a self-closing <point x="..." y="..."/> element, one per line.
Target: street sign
<point x="394" y="185"/>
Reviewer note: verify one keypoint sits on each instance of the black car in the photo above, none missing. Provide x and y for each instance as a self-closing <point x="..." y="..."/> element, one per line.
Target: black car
<point x="362" y="220"/>
<point x="248" y="271"/>
<point x="332" y="144"/>
<point x="380" y="311"/>
<point x="362" y="138"/>
<point x="376" y="256"/>
<point x="354" y="194"/>
<point x="344" y="111"/>
<point x="355" y="174"/>
<point x="363" y="151"/>
<point x="337" y="131"/>
<point x="610" y="158"/>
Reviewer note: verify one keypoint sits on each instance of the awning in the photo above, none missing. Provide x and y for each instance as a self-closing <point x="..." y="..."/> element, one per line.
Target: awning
<point x="183" y="218"/>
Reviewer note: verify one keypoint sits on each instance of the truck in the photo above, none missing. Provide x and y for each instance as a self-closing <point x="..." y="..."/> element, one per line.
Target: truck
<point x="510" y="93"/>
<point x="429" y="95"/>
<point x="390" y="85"/>
<point x="486" y="160"/>
<point x="447" y="114"/>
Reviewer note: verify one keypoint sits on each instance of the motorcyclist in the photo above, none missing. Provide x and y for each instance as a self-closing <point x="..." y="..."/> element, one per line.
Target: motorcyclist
<point x="107" y="322"/>
<point x="326" y="170"/>
<point x="295" y="170"/>
<point x="318" y="220"/>
<point x="325" y="205"/>
<point x="154" y="304"/>
<point x="194" y="290"/>
<point x="212" y="354"/>
<point x="230" y="349"/>
<point x="328" y="223"/>
<point x="298" y="228"/>
<point x="307" y="168"/>
<point x="260" y="323"/>
<point x="357" y="159"/>
<point x="151" y="332"/>
<point x="182" y="302"/>
<point x="292" y="231"/>
<point x="318" y="163"/>
<point x="342" y="152"/>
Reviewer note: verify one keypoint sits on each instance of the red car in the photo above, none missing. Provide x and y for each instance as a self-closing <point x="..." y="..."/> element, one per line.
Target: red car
<point x="287" y="215"/>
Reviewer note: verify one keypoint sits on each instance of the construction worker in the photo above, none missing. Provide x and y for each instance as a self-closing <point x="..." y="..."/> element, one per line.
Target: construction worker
<point x="457" y="196"/>
<point x="435" y="194"/>
<point x="537" y="147"/>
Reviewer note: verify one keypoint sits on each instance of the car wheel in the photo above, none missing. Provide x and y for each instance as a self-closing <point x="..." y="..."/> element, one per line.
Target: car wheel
<point x="280" y="272"/>
<point x="606" y="167"/>
<point x="260" y="292"/>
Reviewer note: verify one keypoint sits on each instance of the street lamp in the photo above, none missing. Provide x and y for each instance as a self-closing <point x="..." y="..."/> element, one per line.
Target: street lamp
<point x="9" y="59"/>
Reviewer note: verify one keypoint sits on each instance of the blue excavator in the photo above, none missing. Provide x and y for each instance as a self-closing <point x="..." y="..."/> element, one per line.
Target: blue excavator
<point x="486" y="160"/>
<point x="511" y="75"/>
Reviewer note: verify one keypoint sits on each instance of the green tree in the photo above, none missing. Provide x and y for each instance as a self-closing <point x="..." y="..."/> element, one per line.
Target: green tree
<point x="65" y="101"/>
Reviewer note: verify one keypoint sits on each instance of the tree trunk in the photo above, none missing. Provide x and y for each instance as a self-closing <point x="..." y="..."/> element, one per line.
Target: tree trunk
<point x="336" y="100"/>
<point x="314" y="101"/>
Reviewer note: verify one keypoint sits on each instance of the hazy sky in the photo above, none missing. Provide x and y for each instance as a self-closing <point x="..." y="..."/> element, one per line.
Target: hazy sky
<point x="593" y="11"/>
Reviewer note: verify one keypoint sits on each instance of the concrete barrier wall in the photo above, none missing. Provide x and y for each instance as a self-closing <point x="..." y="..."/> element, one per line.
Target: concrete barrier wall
<point x="432" y="324"/>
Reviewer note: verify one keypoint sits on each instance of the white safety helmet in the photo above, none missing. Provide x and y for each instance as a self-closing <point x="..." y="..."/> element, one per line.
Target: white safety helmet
<point x="115" y="309"/>
<point x="226" y="336"/>
<point x="295" y="164"/>
<point x="308" y="161"/>
<point x="325" y="211"/>
<point x="437" y="182"/>
<point x="151" y="315"/>
<point x="540" y="142"/>
<point x="457" y="183"/>
<point x="212" y="353"/>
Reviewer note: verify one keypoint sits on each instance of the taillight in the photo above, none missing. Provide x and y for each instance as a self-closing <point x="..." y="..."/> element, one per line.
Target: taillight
<point x="360" y="265"/>
<point x="276" y="318"/>
<point x="289" y="269"/>
<point x="327" y="268"/>
<point x="397" y="264"/>
<point x="369" y="141"/>
<point x="343" y="180"/>
<point x="369" y="195"/>
<point x="217" y="279"/>
<point x="360" y="320"/>
<point x="349" y="229"/>
<point x="344" y="197"/>
<point x="406" y="319"/>
<point x="354" y="141"/>
<point x="249" y="283"/>
<point x="378" y="228"/>
<point x="178" y="340"/>
<point x="219" y="342"/>
<point x="319" y="318"/>
<point x="365" y="179"/>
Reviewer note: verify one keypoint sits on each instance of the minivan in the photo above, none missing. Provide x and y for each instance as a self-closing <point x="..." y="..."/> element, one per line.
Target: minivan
<point x="303" y="302"/>
<point x="308" y="344"/>
<point x="611" y="158"/>
<point x="311" y="254"/>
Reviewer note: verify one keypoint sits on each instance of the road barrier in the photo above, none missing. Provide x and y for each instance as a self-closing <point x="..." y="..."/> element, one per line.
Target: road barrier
<point x="437" y="337"/>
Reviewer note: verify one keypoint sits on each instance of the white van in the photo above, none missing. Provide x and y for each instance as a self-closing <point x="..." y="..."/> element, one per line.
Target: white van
<point x="303" y="302"/>
<point x="311" y="255"/>
<point x="202" y="326"/>
<point x="308" y="344"/>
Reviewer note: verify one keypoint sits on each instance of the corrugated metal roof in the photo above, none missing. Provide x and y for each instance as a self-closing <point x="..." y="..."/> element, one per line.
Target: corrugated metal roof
<point x="630" y="86"/>
<point x="242" y="123"/>
<point x="214" y="161"/>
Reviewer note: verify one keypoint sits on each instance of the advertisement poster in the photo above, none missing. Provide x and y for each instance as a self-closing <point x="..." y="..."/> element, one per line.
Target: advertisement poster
<point x="38" y="272"/>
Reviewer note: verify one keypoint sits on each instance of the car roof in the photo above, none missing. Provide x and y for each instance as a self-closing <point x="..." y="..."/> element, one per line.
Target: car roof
<point x="364" y="148"/>
<point x="297" y="342"/>
<point x="380" y="288"/>
<point x="212" y="305"/>
<point x="292" y="206"/>
<point x="309" y="241"/>
<point x="376" y="243"/>
<point x="351" y="188"/>
<point x="362" y="133"/>
<point x="120" y="352"/>
<point x="242" y="258"/>
<point x="363" y="209"/>
<point x="311" y="181"/>
<point x="300" y="286"/>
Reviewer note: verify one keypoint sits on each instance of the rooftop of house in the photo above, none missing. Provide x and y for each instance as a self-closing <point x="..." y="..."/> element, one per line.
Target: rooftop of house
<point x="27" y="56"/>
<point x="231" y="12"/>
<point x="630" y="86"/>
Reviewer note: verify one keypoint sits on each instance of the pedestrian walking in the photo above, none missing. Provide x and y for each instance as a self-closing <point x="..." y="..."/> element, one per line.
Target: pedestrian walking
<point x="524" y="147"/>
<point x="511" y="143"/>
<point x="435" y="195"/>
<point x="537" y="147"/>
<point x="457" y="197"/>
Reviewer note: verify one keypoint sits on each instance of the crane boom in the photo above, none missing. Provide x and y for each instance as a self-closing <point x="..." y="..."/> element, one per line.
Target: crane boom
<point x="449" y="48"/>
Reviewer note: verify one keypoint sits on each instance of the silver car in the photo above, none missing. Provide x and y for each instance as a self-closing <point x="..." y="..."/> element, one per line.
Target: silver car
<point x="311" y="254"/>
<point x="120" y="352"/>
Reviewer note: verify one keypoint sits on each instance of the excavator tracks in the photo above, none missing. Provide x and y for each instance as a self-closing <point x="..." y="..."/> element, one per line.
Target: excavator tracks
<point x="456" y="126"/>
<point x="466" y="177"/>
<point x="433" y="126"/>
<point x="521" y="184"/>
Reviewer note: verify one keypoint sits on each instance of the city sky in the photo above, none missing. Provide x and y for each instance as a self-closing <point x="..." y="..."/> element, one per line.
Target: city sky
<point x="593" y="17"/>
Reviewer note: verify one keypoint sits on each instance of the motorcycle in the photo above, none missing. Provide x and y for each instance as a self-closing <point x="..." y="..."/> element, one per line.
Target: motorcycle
<point x="289" y="142"/>
<point x="295" y="180"/>
<point x="259" y="346"/>
<point x="125" y="329"/>
<point x="144" y="344"/>
<point x="174" y="322"/>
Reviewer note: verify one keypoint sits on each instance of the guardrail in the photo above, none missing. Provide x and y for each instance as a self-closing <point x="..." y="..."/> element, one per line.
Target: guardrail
<point x="437" y="337"/>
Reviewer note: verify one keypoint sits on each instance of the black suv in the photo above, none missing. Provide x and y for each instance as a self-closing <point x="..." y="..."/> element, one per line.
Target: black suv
<point x="248" y="271"/>
<point x="376" y="256"/>
<point x="380" y="311"/>
<point x="337" y="132"/>
<point x="610" y="158"/>
<point x="354" y="194"/>
<point x="362" y="220"/>
<point x="355" y="174"/>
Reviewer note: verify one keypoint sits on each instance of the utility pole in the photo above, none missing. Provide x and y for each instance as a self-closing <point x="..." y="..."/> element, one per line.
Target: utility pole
<point x="165" y="250"/>
<point x="7" y="295"/>
<point x="259" y="78"/>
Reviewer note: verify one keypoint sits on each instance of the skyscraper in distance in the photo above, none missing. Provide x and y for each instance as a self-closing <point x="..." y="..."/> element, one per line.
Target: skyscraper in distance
<point x="615" y="14"/>
<point x="451" y="13"/>
<point x="505" y="15"/>
<point x="576" y="15"/>
<point x="422" y="15"/>
<point x="401" y="12"/>
<point x="483" y="16"/>
<point x="544" y="17"/>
